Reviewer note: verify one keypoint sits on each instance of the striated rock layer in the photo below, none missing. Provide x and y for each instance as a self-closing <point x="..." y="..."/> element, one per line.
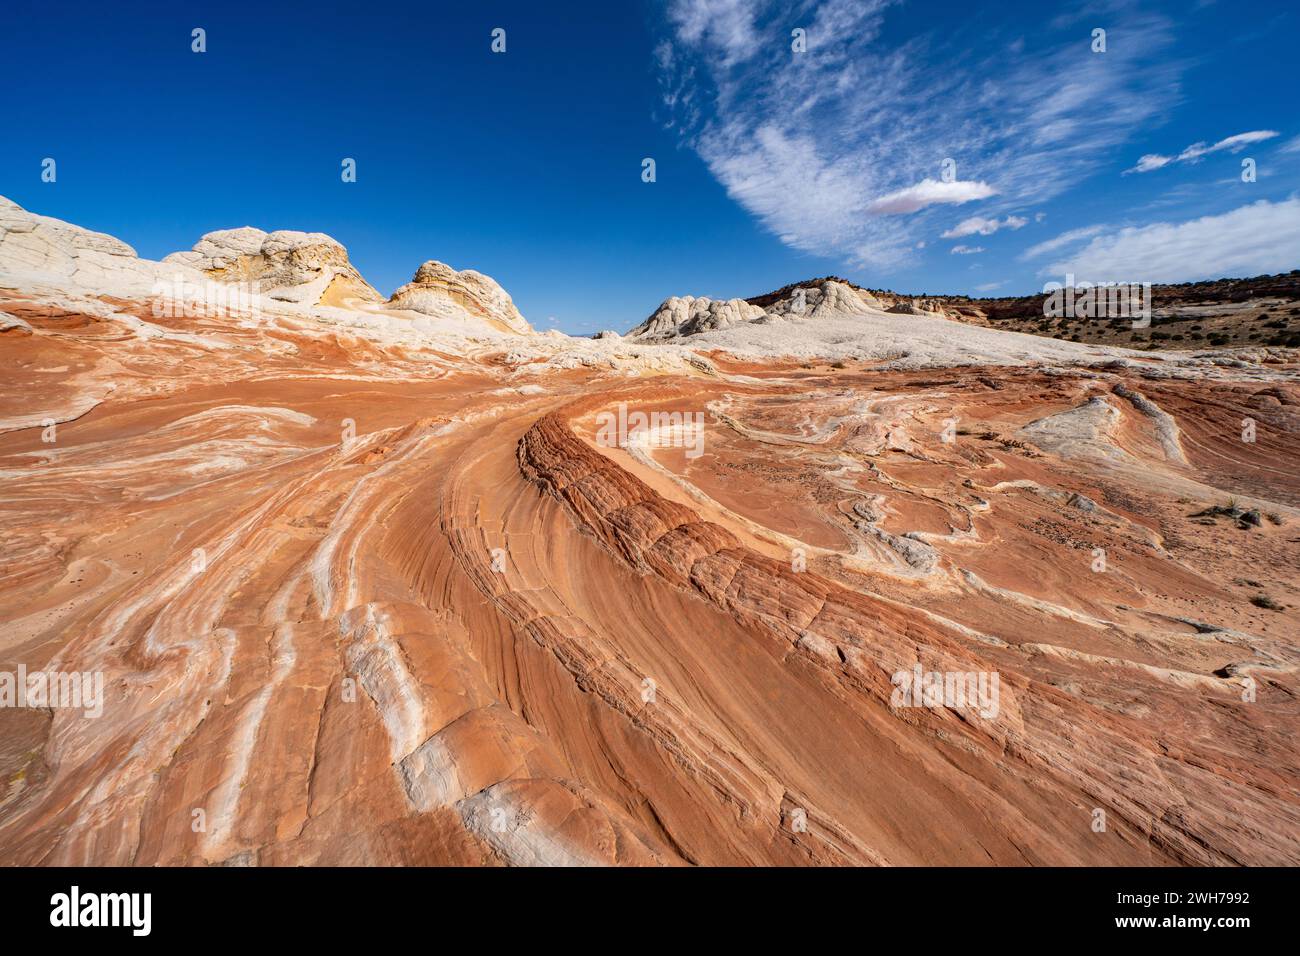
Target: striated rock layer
<point x="440" y="291"/>
<point x="363" y="593"/>
<point x="308" y="268"/>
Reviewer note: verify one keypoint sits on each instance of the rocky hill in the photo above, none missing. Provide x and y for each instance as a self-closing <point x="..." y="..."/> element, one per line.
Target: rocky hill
<point x="830" y="297"/>
<point x="284" y="269"/>
<point x="439" y="290"/>
<point x="310" y="268"/>
<point x="1234" y="313"/>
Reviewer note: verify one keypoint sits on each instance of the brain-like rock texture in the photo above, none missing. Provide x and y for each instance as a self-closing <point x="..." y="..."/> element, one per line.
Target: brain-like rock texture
<point x="309" y="268"/>
<point x="467" y="296"/>
<point x="824" y="300"/>
<point x="686" y="315"/>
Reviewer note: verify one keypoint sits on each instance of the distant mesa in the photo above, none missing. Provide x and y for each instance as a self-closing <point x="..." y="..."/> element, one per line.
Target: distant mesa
<point x="440" y="291"/>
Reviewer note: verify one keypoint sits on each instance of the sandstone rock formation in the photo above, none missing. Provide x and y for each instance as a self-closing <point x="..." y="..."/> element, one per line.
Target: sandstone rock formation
<point x="309" y="272"/>
<point x="824" y="300"/>
<point x="363" y="589"/>
<point x="440" y="291"/>
<point x="686" y="315"/>
<point x="309" y="268"/>
<point x="682" y="316"/>
<point x="1256" y="312"/>
<point x="41" y="250"/>
<point x="1260" y="312"/>
<point x="917" y="307"/>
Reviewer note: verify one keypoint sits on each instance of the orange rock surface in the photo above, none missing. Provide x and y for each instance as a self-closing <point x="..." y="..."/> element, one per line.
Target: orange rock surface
<point x="358" y="601"/>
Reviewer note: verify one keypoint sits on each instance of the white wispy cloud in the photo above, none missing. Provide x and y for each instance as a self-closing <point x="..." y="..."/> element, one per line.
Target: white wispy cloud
<point x="963" y="250"/>
<point x="1061" y="241"/>
<point x="978" y="225"/>
<point x="839" y="150"/>
<point x="1263" y="237"/>
<point x="725" y="26"/>
<point x="928" y="192"/>
<point x="990" y="286"/>
<point x="1149" y="162"/>
<point x="1233" y="144"/>
<point x="1291" y="146"/>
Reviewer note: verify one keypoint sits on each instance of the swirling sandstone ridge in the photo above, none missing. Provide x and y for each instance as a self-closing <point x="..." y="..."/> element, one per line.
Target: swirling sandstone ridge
<point x="370" y="584"/>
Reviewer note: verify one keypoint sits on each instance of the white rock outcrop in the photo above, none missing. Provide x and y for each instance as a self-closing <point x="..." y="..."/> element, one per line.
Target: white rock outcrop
<point x="825" y="300"/>
<point x="40" y="250"/>
<point x="686" y="315"/>
<point x="917" y="307"/>
<point x="309" y="268"/>
<point x="306" y="273"/>
<point x="467" y="298"/>
<point x="689" y="315"/>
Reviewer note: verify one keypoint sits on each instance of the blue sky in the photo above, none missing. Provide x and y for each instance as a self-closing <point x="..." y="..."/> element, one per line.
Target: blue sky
<point x="771" y="165"/>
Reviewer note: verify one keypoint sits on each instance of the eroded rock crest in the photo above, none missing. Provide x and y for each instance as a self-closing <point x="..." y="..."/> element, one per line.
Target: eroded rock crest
<point x="309" y="268"/>
<point x="440" y="291"/>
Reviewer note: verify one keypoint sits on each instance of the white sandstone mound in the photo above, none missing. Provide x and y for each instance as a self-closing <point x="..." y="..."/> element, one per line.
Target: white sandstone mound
<point x="687" y="315"/>
<point x="680" y="316"/>
<point x="829" y="299"/>
<point x="467" y="298"/>
<point x="303" y="268"/>
<point x="39" y="250"/>
<point x="308" y="268"/>
<point x="285" y="272"/>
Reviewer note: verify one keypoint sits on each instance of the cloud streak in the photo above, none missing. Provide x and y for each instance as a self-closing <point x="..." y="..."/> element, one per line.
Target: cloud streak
<point x="928" y="192"/>
<point x="978" y="225"/>
<point x="1061" y="241"/>
<point x="1193" y="153"/>
<point x="1256" y="239"/>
